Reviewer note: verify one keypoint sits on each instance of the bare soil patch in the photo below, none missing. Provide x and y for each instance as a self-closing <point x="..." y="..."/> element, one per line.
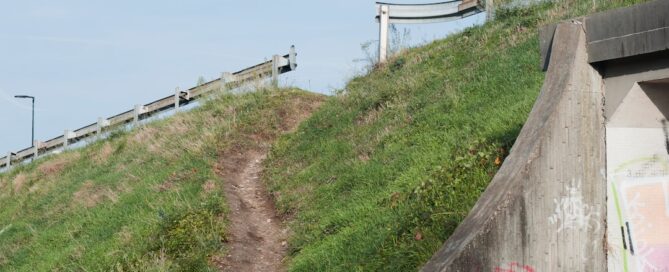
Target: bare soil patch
<point x="256" y="236"/>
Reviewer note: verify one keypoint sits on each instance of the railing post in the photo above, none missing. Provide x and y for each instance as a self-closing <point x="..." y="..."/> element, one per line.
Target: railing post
<point x="36" y="144"/>
<point x="490" y="10"/>
<point x="222" y="80"/>
<point x="99" y="126"/>
<point x="227" y="78"/>
<point x="8" y="163"/>
<point x="66" y="138"/>
<point x="384" y="17"/>
<point x="136" y="113"/>
<point x="292" y="58"/>
<point x="276" y="59"/>
<point x="177" y="98"/>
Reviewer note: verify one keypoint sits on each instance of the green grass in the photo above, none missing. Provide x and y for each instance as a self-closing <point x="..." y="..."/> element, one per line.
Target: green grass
<point x="383" y="173"/>
<point x="376" y="180"/>
<point x="144" y="200"/>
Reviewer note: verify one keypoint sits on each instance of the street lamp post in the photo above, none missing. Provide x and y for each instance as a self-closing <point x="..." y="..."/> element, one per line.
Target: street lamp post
<point x="32" y="142"/>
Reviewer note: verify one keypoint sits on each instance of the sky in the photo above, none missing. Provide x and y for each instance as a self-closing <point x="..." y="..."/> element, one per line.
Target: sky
<point x="88" y="59"/>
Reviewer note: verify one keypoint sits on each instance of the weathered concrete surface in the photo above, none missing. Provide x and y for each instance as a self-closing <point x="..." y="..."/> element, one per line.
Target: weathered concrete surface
<point x="637" y="162"/>
<point x="621" y="74"/>
<point x="626" y="32"/>
<point x="620" y="33"/>
<point x="546" y="34"/>
<point x="545" y="208"/>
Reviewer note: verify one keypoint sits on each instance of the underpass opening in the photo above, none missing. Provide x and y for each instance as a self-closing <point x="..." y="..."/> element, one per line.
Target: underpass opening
<point x="637" y="134"/>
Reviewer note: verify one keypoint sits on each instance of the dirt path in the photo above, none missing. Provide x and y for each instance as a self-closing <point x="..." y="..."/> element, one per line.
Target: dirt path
<point x="256" y="238"/>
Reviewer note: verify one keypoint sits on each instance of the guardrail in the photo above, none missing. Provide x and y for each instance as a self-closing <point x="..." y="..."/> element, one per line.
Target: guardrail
<point x="269" y="69"/>
<point x="388" y="13"/>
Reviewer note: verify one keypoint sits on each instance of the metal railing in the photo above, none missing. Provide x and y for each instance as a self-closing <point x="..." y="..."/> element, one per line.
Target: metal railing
<point x="388" y="13"/>
<point x="268" y="69"/>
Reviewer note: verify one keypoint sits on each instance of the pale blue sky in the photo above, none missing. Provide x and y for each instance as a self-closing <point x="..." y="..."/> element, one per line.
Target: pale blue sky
<point x="84" y="59"/>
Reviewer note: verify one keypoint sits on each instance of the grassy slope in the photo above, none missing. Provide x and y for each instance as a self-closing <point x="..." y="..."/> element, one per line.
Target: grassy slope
<point x="385" y="171"/>
<point x="143" y="200"/>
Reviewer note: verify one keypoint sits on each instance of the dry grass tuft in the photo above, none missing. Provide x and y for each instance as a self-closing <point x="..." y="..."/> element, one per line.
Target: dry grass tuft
<point x="19" y="181"/>
<point x="178" y="126"/>
<point x="89" y="195"/>
<point x="209" y="186"/>
<point x="103" y="154"/>
<point x="153" y="139"/>
<point x="78" y="252"/>
<point x="125" y="235"/>
<point x="144" y="134"/>
<point x="301" y="109"/>
<point x="172" y="182"/>
<point x="34" y="188"/>
<point x="370" y="117"/>
<point x="165" y="186"/>
<point x="57" y="164"/>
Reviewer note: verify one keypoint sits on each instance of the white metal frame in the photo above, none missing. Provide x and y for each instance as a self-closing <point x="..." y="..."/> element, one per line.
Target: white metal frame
<point x="387" y="13"/>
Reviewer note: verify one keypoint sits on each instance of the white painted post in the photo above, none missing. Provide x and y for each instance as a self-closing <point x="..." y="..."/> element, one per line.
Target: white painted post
<point x="222" y="80"/>
<point x="177" y="98"/>
<point x="99" y="126"/>
<point x="384" y="17"/>
<point x="275" y="70"/>
<point x="136" y="112"/>
<point x="292" y="58"/>
<point x="490" y="10"/>
<point x="226" y="79"/>
<point x="66" y="138"/>
<point x="8" y="163"/>
<point x="35" y="149"/>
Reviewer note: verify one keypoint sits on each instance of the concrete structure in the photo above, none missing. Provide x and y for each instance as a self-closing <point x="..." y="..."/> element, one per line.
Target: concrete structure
<point x="548" y="199"/>
<point x="273" y="68"/>
<point x="586" y="186"/>
<point x="388" y="13"/>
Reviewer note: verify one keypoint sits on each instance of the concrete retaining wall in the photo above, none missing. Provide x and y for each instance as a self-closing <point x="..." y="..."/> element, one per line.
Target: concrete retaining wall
<point x="545" y="209"/>
<point x="586" y="186"/>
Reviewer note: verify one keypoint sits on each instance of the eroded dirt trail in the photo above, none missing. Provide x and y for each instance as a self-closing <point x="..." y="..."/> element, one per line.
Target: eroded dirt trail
<point x="256" y="237"/>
